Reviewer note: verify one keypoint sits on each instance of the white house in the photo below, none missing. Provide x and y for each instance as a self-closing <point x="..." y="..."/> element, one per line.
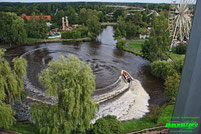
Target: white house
<point x="144" y="36"/>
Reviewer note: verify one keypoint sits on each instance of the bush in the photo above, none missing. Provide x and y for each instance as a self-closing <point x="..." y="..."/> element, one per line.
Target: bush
<point x="132" y="29"/>
<point x="156" y="112"/>
<point x="162" y="69"/>
<point x="121" y="43"/>
<point x="171" y="86"/>
<point x="107" y="125"/>
<point x="74" y="34"/>
<point x="181" y="48"/>
<point x="179" y="65"/>
<point x="155" y="49"/>
<point x="84" y="31"/>
<point x="117" y="33"/>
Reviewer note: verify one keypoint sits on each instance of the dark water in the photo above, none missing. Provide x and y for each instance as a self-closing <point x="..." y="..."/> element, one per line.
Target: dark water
<point x="103" y="57"/>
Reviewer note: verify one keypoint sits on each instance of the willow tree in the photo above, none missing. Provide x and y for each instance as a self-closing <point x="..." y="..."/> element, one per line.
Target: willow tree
<point x="11" y="87"/>
<point x="72" y="81"/>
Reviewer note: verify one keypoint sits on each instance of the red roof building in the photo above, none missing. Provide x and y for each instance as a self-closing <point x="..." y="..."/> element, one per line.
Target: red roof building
<point x="47" y="17"/>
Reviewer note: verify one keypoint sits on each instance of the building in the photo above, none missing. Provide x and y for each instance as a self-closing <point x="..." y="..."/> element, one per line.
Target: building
<point x="144" y="36"/>
<point x="24" y="16"/>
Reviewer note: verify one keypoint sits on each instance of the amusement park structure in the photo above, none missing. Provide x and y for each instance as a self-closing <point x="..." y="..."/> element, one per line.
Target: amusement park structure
<point x="180" y="19"/>
<point x="65" y="24"/>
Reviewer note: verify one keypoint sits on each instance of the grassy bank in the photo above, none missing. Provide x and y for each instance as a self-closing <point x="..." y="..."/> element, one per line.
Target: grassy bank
<point x="128" y="126"/>
<point x="24" y="128"/>
<point x="146" y="122"/>
<point x="134" y="47"/>
<point x="31" y="41"/>
<point x="136" y="44"/>
<point x="175" y="56"/>
<point x="132" y="51"/>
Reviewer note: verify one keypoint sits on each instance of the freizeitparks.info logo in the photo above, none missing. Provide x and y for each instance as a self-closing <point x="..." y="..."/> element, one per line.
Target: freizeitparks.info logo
<point x="188" y="125"/>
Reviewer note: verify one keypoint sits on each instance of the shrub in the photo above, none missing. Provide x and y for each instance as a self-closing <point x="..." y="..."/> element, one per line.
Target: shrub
<point x="179" y="65"/>
<point x="162" y="69"/>
<point x="74" y="34"/>
<point x="117" y="33"/>
<point x="107" y="125"/>
<point x="171" y="86"/>
<point x="181" y="48"/>
<point x="84" y="31"/>
<point x="121" y="43"/>
<point x="155" y="111"/>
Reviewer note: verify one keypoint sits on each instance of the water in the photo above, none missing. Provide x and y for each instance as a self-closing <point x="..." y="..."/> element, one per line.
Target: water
<point x="103" y="57"/>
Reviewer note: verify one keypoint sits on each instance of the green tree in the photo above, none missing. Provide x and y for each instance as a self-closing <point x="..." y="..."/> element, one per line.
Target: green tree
<point x="37" y="27"/>
<point x="121" y="26"/>
<point x="119" y="12"/>
<point x="11" y="87"/>
<point x="57" y="19"/>
<point x="12" y="28"/>
<point x="72" y="15"/>
<point x="135" y="18"/>
<point x="72" y="81"/>
<point x="132" y="29"/>
<point x="172" y="85"/>
<point x="117" y="33"/>
<point x="93" y="24"/>
<point x="84" y="31"/>
<point x="156" y="46"/>
<point x="107" y="125"/>
<point x="163" y="69"/>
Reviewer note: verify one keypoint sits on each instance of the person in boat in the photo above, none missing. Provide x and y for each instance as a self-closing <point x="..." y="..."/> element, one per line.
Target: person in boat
<point x="126" y="76"/>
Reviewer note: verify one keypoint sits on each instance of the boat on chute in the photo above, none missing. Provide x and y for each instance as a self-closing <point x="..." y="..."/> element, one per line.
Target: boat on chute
<point x="126" y="76"/>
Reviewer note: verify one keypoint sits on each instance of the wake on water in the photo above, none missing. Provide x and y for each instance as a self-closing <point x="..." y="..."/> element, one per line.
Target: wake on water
<point x="126" y="101"/>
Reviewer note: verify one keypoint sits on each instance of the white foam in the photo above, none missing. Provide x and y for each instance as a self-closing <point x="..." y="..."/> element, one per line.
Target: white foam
<point x="133" y="104"/>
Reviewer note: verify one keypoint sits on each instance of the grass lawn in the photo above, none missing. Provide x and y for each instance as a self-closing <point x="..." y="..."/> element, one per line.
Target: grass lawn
<point x="132" y="51"/>
<point x="32" y="40"/>
<point x="24" y="128"/>
<point x="146" y="122"/>
<point x="175" y="56"/>
<point x="136" y="44"/>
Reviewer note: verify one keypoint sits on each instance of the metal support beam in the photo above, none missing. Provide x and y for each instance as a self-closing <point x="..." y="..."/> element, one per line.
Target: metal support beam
<point x="188" y="103"/>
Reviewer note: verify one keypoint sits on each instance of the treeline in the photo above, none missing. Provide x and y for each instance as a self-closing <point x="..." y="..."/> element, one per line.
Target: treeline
<point x="15" y="30"/>
<point x="56" y="10"/>
<point x="156" y="49"/>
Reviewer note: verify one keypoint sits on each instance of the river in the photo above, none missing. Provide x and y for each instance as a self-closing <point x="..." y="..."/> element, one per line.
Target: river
<point x="102" y="56"/>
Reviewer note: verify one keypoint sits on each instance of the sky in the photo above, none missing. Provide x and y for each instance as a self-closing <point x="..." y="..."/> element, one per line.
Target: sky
<point x="132" y="1"/>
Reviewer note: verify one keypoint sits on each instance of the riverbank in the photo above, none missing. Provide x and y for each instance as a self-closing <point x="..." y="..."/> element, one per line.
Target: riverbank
<point x="33" y="41"/>
<point x="128" y="126"/>
<point x="134" y="46"/>
<point x="147" y="122"/>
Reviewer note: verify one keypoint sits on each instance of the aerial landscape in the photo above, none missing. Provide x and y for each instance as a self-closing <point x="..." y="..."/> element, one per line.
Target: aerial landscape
<point x="91" y="67"/>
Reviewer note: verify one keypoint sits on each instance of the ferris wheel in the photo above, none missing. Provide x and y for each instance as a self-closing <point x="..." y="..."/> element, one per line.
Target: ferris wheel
<point x="180" y="19"/>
